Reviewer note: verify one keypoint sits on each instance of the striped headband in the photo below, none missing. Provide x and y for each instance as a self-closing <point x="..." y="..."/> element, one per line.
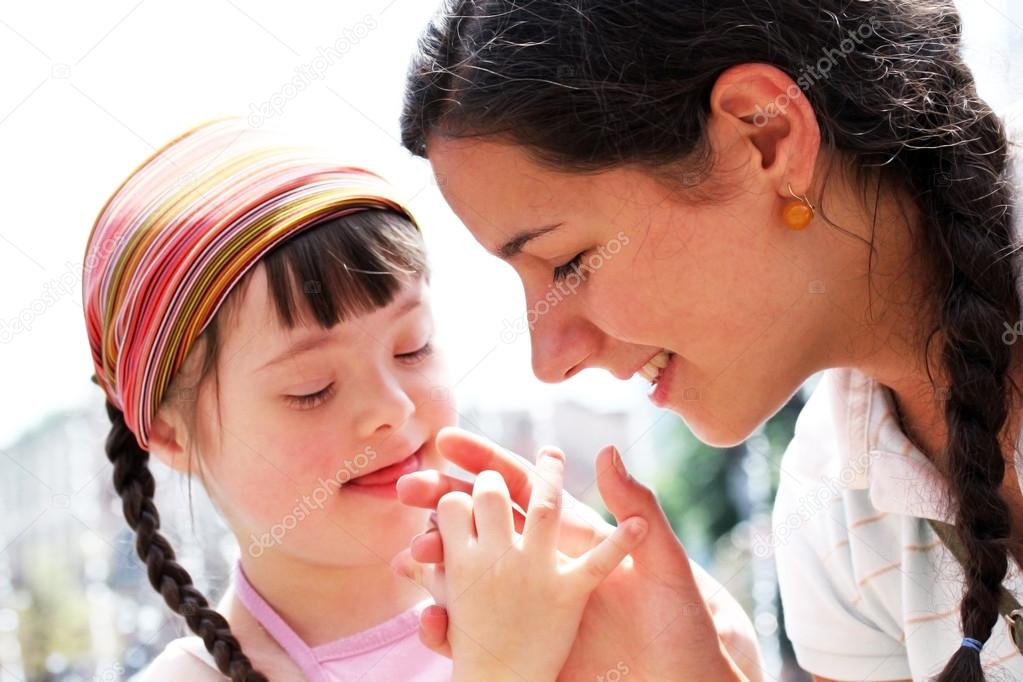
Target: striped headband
<point x="182" y="230"/>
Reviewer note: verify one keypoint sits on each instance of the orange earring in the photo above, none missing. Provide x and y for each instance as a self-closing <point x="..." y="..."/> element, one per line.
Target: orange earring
<point x="797" y="212"/>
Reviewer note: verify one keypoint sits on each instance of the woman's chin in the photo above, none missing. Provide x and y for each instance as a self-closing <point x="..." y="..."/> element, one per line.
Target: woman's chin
<point x="711" y="427"/>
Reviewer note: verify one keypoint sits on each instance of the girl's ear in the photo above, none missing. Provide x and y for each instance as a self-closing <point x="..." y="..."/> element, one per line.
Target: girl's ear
<point x="168" y="439"/>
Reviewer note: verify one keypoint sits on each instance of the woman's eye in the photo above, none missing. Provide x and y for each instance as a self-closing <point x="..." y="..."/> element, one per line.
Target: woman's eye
<point x="563" y="271"/>
<point x="311" y="400"/>
<point x="417" y="355"/>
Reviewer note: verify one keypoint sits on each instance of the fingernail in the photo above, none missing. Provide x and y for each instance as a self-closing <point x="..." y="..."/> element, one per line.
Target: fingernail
<point x="547" y="451"/>
<point x="616" y="459"/>
<point x="637" y="527"/>
<point x="398" y="568"/>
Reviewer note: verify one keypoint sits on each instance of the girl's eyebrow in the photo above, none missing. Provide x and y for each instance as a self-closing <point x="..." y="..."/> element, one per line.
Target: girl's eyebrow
<point x="407" y="306"/>
<point x="305" y="345"/>
<point x="323" y="338"/>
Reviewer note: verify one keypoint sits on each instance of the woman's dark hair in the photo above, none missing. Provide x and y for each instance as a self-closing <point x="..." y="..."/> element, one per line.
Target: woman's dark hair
<point x="586" y="85"/>
<point x="331" y="272"/>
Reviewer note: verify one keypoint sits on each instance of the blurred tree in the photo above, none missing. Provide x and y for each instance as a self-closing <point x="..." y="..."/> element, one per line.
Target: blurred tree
<point x="706" y="493"/>
<point x="54" y="629"/>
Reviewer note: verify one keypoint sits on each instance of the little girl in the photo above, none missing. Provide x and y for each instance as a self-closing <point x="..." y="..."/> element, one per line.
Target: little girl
<point x="260" y="316"/>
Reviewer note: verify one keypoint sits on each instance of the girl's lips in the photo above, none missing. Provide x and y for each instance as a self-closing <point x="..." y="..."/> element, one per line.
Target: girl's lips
<point x="382" y="481"/>
<point x="662" y="389"/>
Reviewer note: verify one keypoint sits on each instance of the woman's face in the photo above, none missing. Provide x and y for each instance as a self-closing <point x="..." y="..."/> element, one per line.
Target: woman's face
<point x="722" y="284"/>
<point x="300" y="414"/>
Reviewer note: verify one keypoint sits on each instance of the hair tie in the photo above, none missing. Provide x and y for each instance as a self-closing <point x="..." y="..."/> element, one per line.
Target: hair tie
<point x="971" y="643"/>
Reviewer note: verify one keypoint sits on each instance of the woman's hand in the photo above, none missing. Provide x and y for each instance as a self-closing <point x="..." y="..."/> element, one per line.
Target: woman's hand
<point x="514" y="602"/>
<point x="657" y="616"/>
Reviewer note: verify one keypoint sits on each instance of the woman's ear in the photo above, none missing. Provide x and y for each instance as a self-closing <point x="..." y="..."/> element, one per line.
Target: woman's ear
<point x="168" y="439"/>
<point x="759" y="108"/>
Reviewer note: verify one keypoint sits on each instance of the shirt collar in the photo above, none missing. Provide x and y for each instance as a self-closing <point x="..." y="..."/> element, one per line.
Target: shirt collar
<point x="880" y="457"/>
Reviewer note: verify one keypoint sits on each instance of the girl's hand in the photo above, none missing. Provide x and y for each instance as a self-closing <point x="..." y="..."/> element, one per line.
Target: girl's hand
<point x="514" y="602"/>
<point x="657" y="616"/>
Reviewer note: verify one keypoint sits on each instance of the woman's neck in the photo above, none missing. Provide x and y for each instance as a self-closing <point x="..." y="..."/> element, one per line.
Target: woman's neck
<point x="885" y="308"/>
<point x="324" y="603"/>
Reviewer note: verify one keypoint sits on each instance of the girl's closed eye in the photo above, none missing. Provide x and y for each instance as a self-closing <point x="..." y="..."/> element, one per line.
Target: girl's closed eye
<point x="310" y="400"/>
<point x="417" y="355"/>
<point x="563" y="271"/>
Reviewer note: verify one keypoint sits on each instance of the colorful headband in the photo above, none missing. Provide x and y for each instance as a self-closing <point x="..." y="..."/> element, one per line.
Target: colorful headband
<point x="182" y="230"/>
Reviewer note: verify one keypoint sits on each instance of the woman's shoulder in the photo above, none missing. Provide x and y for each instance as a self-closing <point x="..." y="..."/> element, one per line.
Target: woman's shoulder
<point x="828" y="499"/>
<point x="184" y="658"/>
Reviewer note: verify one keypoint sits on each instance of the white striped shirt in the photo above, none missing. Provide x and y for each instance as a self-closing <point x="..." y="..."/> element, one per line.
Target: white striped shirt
<point x="869" y="592"/>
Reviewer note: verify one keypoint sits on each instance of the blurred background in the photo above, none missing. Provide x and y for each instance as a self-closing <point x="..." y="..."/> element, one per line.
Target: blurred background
<point x="88" y="91"/>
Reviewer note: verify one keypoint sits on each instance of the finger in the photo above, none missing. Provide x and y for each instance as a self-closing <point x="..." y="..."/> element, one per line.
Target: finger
<point x="425" y="488"/>
<point x="598" y="563"/>
<point x="433" y="629"/>
<point x="428" y="547"/>
<point x="543" y="516"/>
<point x="454" y="520"/>
<point x="429" y="577"/>
<point x="475" y="454"/>
<point x="491" y="510"/>
<point x="624" y="496"/>
<point x="404" y="565"/>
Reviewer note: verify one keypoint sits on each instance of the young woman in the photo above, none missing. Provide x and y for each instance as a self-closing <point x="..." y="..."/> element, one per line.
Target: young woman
<point x="806" y="186"/>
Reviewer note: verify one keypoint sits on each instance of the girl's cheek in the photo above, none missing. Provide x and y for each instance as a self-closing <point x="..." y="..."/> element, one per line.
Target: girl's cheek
<point x="251" y="491"/>
<point x="432" y="394"/>
<point x="306" y="456"/>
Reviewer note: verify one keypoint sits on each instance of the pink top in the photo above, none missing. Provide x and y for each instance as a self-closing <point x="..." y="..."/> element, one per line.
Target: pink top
<point x="385" y="652"/>
<point x="388" y="652"/>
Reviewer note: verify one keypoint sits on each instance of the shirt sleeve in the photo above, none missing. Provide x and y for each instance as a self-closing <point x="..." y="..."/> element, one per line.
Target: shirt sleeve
<point x="830" y="635"/>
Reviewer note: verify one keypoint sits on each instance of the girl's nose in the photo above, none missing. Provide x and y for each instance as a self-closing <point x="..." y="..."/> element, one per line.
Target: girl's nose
<point x="386" y="405"/>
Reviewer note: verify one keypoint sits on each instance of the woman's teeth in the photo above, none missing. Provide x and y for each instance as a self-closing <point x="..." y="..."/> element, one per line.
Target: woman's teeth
<point x="653" y="368"/>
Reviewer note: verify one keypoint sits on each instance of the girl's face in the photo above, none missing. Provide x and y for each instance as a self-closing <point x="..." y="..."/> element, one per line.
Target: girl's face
<point x="302" y="413"/>
<point x="723" y="285"/>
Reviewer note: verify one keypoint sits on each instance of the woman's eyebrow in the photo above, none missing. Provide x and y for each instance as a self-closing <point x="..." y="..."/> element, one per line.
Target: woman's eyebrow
<point x="513" y="246"/>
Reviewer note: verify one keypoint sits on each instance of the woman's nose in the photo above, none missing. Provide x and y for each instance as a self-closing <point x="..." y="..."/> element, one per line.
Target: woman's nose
<point x="386" y="405"/>
<point x="561" y="344"/>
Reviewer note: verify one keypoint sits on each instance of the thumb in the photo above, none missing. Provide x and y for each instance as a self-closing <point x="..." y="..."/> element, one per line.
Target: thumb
<point x="433" y="629"/>
<point x="624" y="497"/>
